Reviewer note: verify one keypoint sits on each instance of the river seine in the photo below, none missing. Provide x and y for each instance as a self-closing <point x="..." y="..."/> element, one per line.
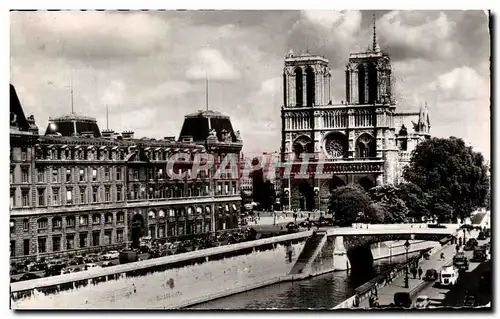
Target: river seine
<point x="321" y="292"/>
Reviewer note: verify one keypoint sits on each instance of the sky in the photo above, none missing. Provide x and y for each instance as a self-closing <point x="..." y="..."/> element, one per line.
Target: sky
<point x="149" y="68"/>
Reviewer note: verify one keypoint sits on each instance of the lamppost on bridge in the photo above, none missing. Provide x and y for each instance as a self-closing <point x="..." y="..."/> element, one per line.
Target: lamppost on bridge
<point x="407" y="247"/>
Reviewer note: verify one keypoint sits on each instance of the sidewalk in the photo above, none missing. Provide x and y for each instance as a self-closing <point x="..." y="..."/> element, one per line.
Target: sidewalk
<point x="386" y="294"/>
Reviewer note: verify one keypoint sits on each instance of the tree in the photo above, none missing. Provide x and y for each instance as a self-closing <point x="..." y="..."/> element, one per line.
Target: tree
<point x="452" y="175"/>
<point x="415" y="199"/>
<point x="347" y="202"/>
<point x="377" y="214"/>
<point x="388" y="197"/>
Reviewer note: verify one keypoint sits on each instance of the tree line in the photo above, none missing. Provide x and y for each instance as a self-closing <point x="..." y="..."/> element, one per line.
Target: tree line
<point x="445" y="180"/>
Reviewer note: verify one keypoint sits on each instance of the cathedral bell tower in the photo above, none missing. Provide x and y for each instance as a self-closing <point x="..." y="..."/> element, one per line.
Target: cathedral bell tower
<point x="368" y="76"/>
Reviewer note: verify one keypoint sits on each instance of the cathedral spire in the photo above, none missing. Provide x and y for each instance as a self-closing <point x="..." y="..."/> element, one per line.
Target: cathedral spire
<point x="375" y="46"/>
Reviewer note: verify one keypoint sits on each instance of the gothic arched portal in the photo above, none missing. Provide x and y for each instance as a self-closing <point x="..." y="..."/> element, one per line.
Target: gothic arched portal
<point x="366" y="183"/>
<point x="306" y="197"/>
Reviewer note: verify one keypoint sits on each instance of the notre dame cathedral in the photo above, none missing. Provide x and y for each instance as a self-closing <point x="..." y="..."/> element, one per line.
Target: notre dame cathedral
<point x="363" y="140"/>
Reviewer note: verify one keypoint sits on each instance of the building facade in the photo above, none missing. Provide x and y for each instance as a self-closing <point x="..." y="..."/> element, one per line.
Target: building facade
<point x="78" y="188"/>
<point x="363" y="140"/>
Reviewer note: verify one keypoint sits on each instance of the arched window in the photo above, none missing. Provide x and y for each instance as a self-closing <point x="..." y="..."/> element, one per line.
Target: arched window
<point x="361" y="84"/>
<point x="365" y="146"/>
<point x="171" y="212"/>
<point x="199" y="210"/>
<point x="190" y="211"/>
<point x="372" y="84"/>
<point x="311" y="86"/>
<point x="207" y="210"/>
<point x="298" y="87"/>
<point x="161" y="214"/>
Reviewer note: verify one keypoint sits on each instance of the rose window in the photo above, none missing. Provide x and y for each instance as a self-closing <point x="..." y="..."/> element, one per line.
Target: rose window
<point x="334" y="148"/>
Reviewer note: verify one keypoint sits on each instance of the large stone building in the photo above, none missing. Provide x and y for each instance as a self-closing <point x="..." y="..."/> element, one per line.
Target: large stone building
<point x="78" y="188"/>
<point x="363" y="140"/>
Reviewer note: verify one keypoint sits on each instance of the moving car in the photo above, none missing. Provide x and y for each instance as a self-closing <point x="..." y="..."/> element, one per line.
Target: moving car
<point x="431" y="275"/>
<point x="402" y="299"/>
<point x="422" y="302"/>
<point x="448" y="276"/>
<point x="460" y="261"/>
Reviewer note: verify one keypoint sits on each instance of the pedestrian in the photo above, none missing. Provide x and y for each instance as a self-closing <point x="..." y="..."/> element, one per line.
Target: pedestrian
<point x="420" y="272"/>
<point x="414" y="272"/>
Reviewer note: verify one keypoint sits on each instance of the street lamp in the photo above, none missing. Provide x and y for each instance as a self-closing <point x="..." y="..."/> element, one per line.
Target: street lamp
<point x="407" y="247"/>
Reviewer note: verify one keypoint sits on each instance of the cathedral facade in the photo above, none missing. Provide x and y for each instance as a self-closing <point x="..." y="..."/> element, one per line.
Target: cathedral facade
<point x="363" y="140"/>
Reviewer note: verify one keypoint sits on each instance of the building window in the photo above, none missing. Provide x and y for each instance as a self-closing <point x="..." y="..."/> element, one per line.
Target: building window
<point x="118" y="193"/>
<point x="26" y="225"/>
<point x="94" y="194"/>
<point x="136" y="174"/>
<point x="56" y="222"/>
<point x="70" y="221"/>
<point x="55" y="175"/>
<point x="26" y="198"/>
<point x="56" y="243"/>
<point x="11" y="175"/>
<point x="82" y="175"/>
<point x="108" y="218"/>
<point x="70" y="242"/>
<point x="82" y="195"/>
<point x="118" y="174"/>
<point x="120" y="217"/>
<point x="107" y="194"/>
<point x="12" y="248"/>
<point x="95" y="238"/>
<point x="96" y="219"/>
<point x="69" y="196"/>
<point x="55" y="196"/>
<point x="119" y="235"/>
<point x="12" y="198"/>
<point x="161" y="214"/>
<point x="68" y="175"/>
<point x="107" y="237"/>
<point x="24" y="154"/>
<point x="84" y="220"/>
<point x="42" y="245"/>
<point x="106" y="174"/>
<point x="25" y="175"/>
<point x="233" y="189"/>
<point x="41" y="197"/>
<point x="94" y="174"/>
<point x="171" y="213"/>
<point x="160" y="173"/>
<point x="12" y="225"/>
<point x="41" y="175"/>
<point x="26" y="247"/>
<point x="226" y="188"/>
<point x="42" y="223"/>
<point x="83" y="240"/>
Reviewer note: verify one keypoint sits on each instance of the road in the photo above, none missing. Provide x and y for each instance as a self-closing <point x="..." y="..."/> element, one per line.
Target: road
<point x="454" y="296"/>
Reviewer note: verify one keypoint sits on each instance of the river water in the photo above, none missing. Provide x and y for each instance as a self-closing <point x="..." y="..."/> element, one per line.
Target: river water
<point x="321" y="292"/>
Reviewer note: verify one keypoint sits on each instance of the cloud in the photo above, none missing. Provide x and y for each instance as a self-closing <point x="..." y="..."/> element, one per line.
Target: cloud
<point x="462" y="83"/>
<point x="97" y="35"/>
<point x="416" y="34"/>
<point x="209" y="61"/>
<point x="343" y="23"/>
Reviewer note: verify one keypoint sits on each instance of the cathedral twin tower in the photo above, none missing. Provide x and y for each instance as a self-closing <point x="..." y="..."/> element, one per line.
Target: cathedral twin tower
<point x="356" y="140"/>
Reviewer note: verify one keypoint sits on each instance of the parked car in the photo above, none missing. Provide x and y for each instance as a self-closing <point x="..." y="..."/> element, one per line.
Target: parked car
<point x="91" y="258"/>
<point x="480" y="254"/>
<point x="471" y="244"/>
<point x="110" y="255"/>
<point x="402" y="299"/>
<point x="422" y="302"/>
<point x="90" y="266"/>
<point x="431" y="275"/>
<point x="107" y="264"/>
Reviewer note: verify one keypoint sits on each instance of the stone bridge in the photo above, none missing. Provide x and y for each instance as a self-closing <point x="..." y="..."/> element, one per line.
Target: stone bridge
<point x="331" y="248"/>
